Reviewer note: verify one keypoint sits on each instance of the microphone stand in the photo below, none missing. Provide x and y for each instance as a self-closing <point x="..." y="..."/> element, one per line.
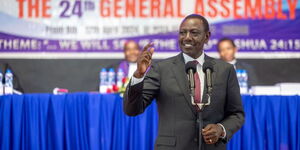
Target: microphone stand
<point x="202" y="104"/>
<point x="199" y="114"/>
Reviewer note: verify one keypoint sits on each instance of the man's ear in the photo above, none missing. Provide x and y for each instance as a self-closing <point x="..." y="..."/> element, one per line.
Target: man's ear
<point x="207" y="36"/>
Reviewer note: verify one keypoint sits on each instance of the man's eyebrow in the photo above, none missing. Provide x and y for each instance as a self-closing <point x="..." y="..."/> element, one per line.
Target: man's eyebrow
<point x="189" y="30"/>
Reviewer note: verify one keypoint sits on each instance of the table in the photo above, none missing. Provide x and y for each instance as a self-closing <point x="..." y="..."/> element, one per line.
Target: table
<point x="96" y="122"/>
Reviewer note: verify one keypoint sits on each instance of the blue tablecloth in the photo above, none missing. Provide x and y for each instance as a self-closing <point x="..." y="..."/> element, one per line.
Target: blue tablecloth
<point x="96" y="122"/>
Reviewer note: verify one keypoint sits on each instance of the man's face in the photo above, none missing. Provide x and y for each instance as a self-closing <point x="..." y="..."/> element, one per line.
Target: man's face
<point x="227" y="51"/>
<point x="192" y="37"/>
<point x="131" y="51"/>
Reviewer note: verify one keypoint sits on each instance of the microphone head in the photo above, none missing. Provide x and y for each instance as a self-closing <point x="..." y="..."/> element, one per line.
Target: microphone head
<point x="190" y="65"/>
<point x="208" y="65"/>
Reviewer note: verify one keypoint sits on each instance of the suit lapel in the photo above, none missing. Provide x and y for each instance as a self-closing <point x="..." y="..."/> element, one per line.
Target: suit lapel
<point x="179" y="71"/>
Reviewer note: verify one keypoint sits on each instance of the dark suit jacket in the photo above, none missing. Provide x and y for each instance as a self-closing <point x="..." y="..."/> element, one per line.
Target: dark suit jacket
<point x="167" y="82"/>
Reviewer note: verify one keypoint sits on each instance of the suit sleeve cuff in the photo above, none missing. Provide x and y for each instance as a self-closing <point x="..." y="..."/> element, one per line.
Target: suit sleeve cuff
<point x="135" y="80"/>
<point x="224" y="135"/>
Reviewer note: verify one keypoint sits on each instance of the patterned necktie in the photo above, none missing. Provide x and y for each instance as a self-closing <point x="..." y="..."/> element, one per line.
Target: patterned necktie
<point x="197" y="98"/>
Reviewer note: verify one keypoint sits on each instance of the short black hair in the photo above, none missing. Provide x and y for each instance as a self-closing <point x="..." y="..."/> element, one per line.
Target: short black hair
<point x="225" y="39"/>
<point x="203" y="19"/>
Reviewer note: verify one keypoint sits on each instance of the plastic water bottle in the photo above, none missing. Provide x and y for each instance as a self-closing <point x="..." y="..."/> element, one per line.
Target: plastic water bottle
<point x="244" y="82"/>
<point x="120" y="76"/>
<point x="8" y="87"/>
<point x="103" y="80"/>
<point x="239" y="76"/>
<point x="111" y="78"/>
<point x="1" y="84"/>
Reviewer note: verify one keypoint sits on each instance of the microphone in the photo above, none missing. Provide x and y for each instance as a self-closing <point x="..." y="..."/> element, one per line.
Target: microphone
<point x="208" y="69"/>
<point x="190" y="69"/>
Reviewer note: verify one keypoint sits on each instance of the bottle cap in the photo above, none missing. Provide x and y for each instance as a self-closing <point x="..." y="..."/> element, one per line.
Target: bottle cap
<point x="8" y="71"/>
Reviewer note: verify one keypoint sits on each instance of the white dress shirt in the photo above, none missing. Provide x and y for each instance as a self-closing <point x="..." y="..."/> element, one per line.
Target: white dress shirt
<point x="131" y="69"/>
<point x="233" y="62"/>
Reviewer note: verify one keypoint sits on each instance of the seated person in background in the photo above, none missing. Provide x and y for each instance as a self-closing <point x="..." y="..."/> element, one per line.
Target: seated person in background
<point x="131" y="52"/>
<point x="16" y="84"/>
<point x="227" y="50"/>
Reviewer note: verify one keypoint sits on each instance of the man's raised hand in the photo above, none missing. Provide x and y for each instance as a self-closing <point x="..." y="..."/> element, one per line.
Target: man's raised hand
<point x="144" y="61"/>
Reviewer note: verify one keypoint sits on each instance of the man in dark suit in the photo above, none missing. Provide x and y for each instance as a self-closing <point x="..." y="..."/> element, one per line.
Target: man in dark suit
<point x="167" y="82"/>
<point x="227" y="51"/>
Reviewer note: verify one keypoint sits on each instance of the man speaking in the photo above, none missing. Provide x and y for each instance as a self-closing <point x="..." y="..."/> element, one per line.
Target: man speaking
<point x="180" y="98"/>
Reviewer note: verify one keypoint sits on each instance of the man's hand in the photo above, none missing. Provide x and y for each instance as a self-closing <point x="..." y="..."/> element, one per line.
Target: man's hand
<point x="211" y="133"/>
<point x="144" y="61"/>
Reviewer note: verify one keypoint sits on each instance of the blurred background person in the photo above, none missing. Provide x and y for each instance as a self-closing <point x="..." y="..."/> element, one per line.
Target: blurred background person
<point x="131" y="53"/>
<point x="227" y="51"/>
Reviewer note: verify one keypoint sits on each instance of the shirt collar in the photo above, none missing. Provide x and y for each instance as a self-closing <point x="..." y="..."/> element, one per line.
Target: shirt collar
<point x="132" y="63"/>
<point x="232" y="62"/>
<point x="188" y="58"/>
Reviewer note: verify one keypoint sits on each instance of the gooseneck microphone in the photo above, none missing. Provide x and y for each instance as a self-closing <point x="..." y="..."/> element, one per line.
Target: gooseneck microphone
<point x="190" y="69"/>
<point x="208" y="69"/>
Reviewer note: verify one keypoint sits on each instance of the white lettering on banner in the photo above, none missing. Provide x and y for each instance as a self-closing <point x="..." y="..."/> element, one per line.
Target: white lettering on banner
<point x="19" y="44"/>
<point x="68" y="45"/>
<point x="281" y="44"/>
<point x="253" y="44"/>
<point x="118" y="44"/>
<point x="94" y="45"/>
<point x="169" y="44"/>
